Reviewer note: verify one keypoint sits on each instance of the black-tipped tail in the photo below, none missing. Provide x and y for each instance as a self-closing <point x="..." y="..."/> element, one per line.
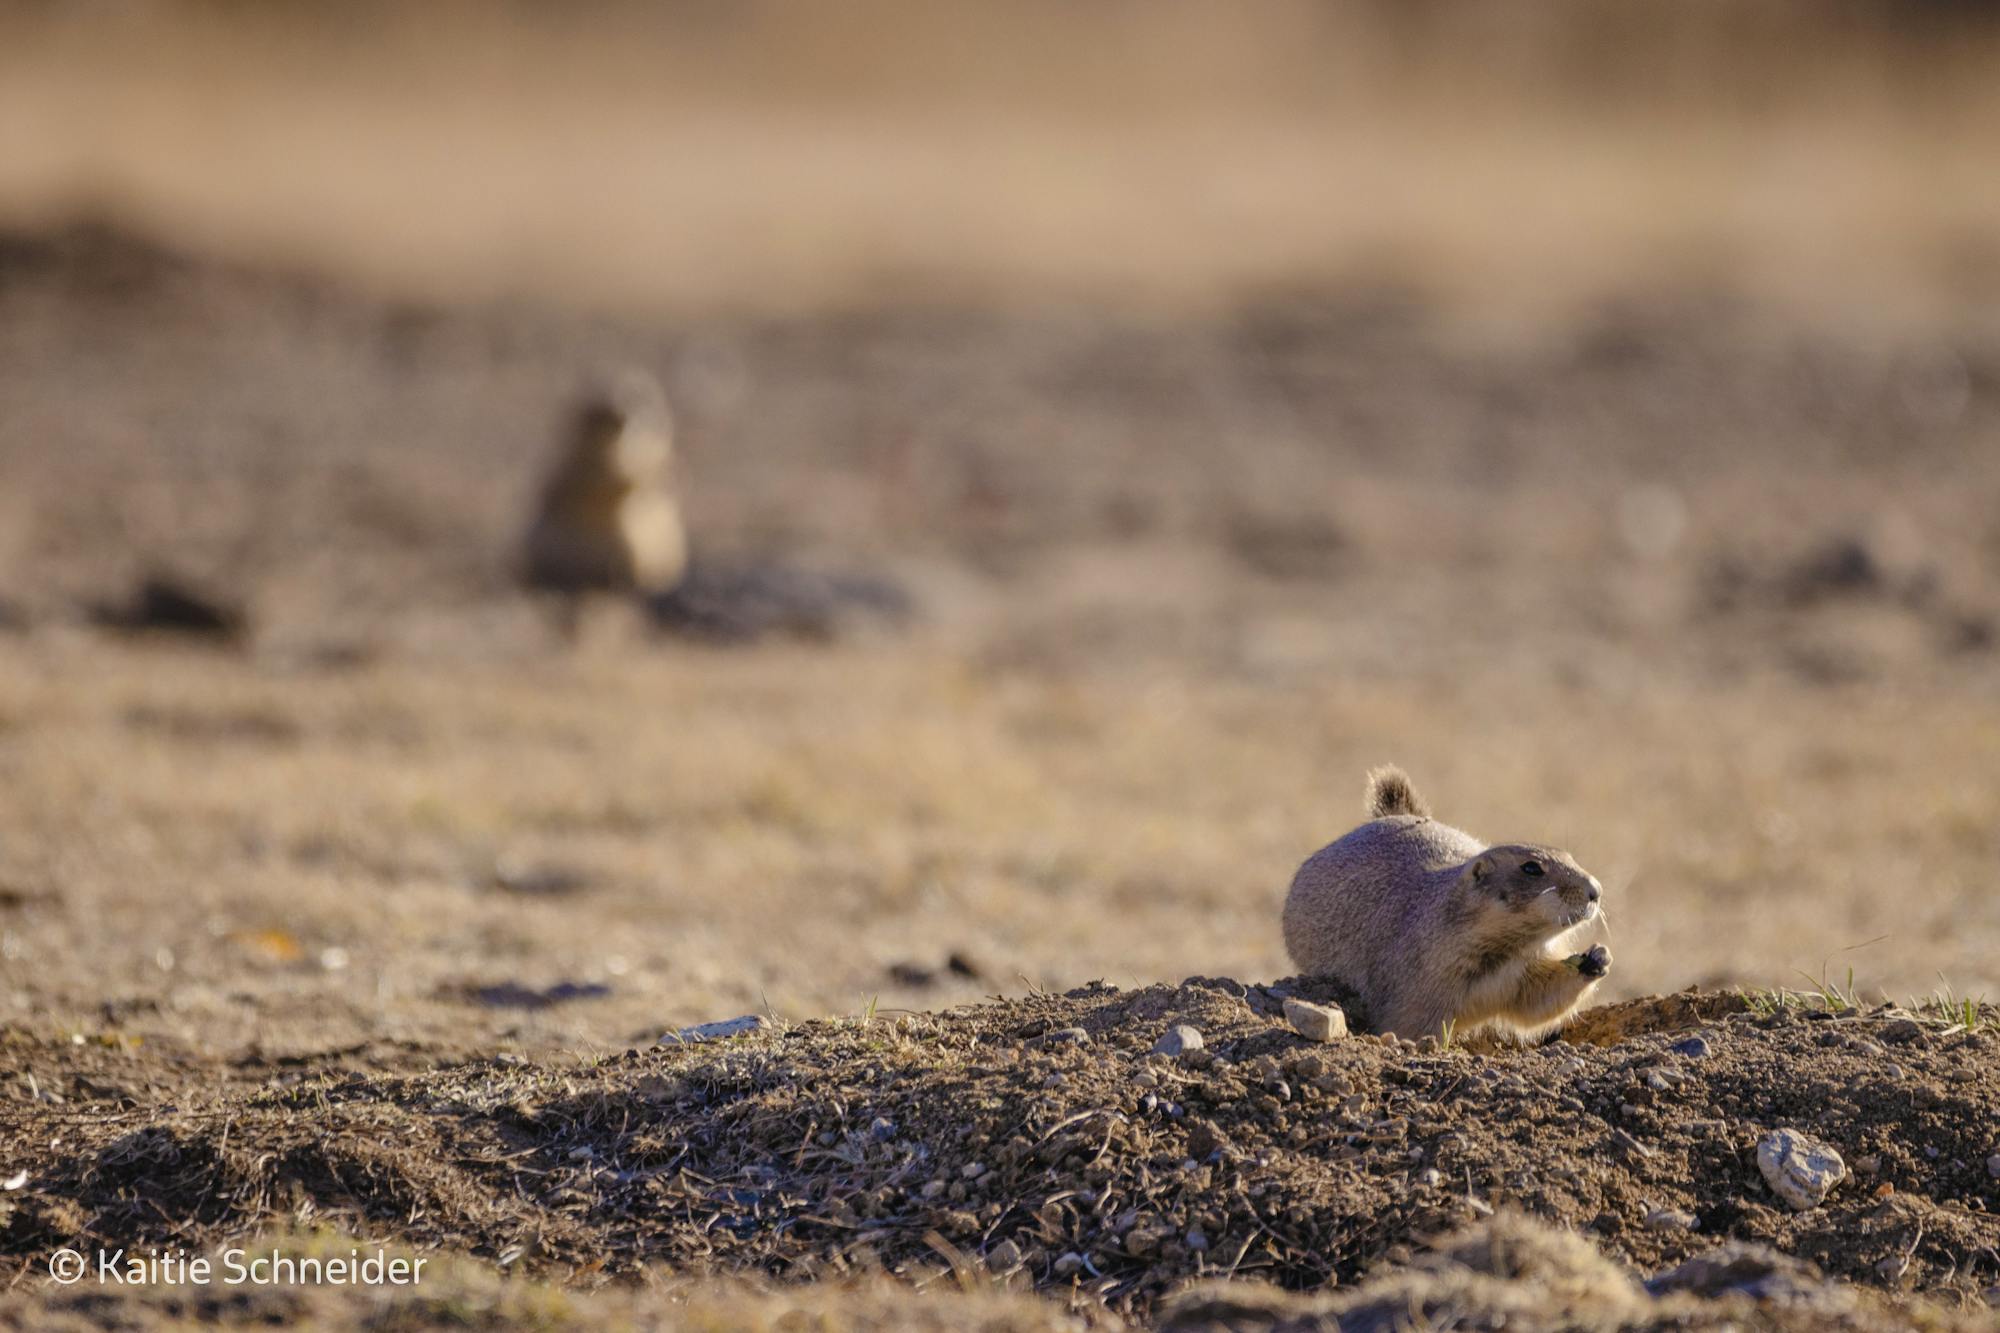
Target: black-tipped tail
<point x="1390" y="793"/>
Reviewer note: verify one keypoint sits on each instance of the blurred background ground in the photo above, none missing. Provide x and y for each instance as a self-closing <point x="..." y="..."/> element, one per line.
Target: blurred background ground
<point x="1592" y="410"/>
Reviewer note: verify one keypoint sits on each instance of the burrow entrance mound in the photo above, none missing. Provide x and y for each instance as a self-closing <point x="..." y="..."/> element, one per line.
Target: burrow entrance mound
<point x="1041" y="1138"/>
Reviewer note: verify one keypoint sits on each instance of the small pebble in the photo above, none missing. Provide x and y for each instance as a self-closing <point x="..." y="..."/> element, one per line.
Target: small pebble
<point x="1004" y="1257"/>
<point x="1067" y="1037"/>
<point x="1431" y="1176"/>
<point x="1993" y="1166"/>
<point x="1178" y="1040"/>
<point x="1316" y="1022"/>
<point x="1630" y="1144"/>
<point x="1196" y="1240"/>
<point x="1069" y="1264"/>
<point x="1694" y="1048"/>
<point x="717" y="1031"/>
<point x="1799" y="1170"/>
<point x="1670" y="1219"/>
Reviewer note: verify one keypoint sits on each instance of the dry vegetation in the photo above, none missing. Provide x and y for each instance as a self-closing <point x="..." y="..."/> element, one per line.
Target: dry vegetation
<point x="1231" y="424"/>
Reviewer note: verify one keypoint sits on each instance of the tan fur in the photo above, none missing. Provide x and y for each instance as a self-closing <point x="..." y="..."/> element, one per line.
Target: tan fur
<point x="1390" y="793"/>
<point x="1432" y="926"/>
<point x="609" y="517"/>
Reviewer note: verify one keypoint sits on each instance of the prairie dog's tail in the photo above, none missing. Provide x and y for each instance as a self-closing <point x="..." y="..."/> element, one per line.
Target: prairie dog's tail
<point x="1390" y="793"/>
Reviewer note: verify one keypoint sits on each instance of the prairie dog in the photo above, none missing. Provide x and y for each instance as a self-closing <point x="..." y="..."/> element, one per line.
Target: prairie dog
<point x="1432" y="926"/>
<point x="609" y="517"/>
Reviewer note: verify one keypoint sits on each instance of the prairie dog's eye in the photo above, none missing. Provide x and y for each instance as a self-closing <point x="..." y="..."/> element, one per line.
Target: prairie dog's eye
<point x="1532" y="869"/>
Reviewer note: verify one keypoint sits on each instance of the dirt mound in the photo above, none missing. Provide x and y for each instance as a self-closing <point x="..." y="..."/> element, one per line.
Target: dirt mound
<point x="1518" y="1274"/>
<point x="1040" y="1137"/>
<point x="458" y="1295"/>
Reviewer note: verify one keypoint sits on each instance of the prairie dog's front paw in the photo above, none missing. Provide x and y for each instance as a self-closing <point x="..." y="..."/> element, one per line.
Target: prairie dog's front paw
<point x="1593" y="964"/>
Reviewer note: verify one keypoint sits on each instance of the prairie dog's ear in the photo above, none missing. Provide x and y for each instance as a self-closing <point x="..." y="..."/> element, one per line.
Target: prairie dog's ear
<point x="1482" y="868"/>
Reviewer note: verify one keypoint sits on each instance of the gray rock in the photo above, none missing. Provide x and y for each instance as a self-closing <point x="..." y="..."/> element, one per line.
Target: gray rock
<point x="1316" y="1022"/>
<point x="1004" y="1257"/>
<point x="1993" y="1166"/>
<point x="718" y="1031"/>
<point x="1069" y="1264"/>
<point x="1179" y="1039"/>
<point x="1799" y="1170"/>
<point x="1670" y="1219"/>
<point x="1067" y="1037"/>
<point x="1694" y="1048"/>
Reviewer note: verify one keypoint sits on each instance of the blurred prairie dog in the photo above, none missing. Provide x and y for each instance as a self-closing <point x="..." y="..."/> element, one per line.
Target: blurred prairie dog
<point x="1432" y="926"/>
<point x="609" y="517"/>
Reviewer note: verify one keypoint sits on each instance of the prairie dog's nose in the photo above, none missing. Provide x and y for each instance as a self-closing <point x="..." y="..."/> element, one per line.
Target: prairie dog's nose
<point x="1594" y="892"/>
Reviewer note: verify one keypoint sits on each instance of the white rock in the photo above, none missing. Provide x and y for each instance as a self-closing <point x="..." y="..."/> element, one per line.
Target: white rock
<point x="718" y="1031"/>
<point x="1179" y="1038"/>
<point x="1316" y="1022"/>
<point x="1799" y="1170"/>
<point x="1670" y="1219"/>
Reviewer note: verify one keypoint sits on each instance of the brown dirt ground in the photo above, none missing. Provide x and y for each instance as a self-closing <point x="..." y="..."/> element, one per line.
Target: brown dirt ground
<point x="346" y="921"/>
<point x="996" y="1140"/>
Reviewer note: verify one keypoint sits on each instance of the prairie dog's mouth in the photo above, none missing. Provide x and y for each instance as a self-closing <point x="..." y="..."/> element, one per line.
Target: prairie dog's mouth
<point x="1582" y="914"/>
